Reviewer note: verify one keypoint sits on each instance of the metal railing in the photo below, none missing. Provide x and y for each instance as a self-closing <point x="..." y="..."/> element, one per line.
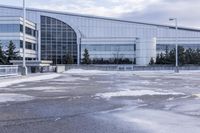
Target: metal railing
<point x="131" y="67"/>
<point x="8" y="70"/>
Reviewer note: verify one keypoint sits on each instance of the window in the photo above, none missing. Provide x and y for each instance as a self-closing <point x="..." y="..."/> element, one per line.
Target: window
<point x="57" y="40"/>
<point x="28" y="45"/>
<point x="29" y="31"/>
<point x="9" y="28"/>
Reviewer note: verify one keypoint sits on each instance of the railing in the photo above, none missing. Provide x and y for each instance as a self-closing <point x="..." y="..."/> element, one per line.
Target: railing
<point x="131" y="67"/>
<point x="8" y="70"/>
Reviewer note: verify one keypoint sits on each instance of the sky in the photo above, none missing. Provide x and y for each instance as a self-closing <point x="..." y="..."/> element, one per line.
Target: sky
<point x="152" y="11"/>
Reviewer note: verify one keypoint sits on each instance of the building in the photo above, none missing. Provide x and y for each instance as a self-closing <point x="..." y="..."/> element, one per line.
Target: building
<point x="63" y="34"/>
<point x="11" y="29"/>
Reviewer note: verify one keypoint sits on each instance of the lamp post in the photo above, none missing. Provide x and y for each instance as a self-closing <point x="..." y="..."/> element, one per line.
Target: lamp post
<point x="24" y="68"/>
<point x="176" y="40"/>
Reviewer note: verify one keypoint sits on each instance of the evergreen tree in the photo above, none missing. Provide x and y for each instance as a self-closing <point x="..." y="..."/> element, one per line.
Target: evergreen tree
<point x="11" y="52"/>
<point x="197" y="56"/>
<point x="167" y="59"/>
<point x="189" y="55"/>
<point x="2" y="56"/>
<point x="181" y="55"/>
<point x="172" y="56"/>
<point x="162" y="58"/>
<point x="152" y="62"/>
<point x="158" y="59"/>
<point x="86" y="57"/>
<point x="69" y="59"/>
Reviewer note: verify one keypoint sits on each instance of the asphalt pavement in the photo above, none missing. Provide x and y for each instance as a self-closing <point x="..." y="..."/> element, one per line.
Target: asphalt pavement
<point x="102" y="102"/>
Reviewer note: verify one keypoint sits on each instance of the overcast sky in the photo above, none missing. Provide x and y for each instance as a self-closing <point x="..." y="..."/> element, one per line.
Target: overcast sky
<point x="153" y="11"/>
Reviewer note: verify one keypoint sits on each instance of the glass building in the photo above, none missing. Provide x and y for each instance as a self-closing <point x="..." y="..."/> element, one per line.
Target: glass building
<point x="60" y="35"/>
<point x="58" y="40"/>
<point x="11" y="30"/>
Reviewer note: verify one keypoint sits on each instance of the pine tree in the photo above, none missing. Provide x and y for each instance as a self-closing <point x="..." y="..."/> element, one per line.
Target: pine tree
<point x="86" y="57"/>
<point x="198" y="56"/>
<point x="11" y="52"/>
<point x="152" y="62"/>
<point x="158" y="59"/>
<point x="189" y="56"/>
<point x="162" y="58"/>
<point x="69" y="59"/>
<point x="2" y="56"/>
<point x="181" y="55"/>
<point x="167" y="60"/>
<point x="172" y="56"/>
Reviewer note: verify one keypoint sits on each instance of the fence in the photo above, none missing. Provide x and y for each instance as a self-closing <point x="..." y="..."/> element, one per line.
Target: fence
<point x="8" y="70"/>
<point x="129" y="67"/>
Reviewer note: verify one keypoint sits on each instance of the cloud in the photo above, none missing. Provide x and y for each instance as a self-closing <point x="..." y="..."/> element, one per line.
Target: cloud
<point x="109" y="8"/>
<point x="186" y="11"/>
<point x="154" y="11"/>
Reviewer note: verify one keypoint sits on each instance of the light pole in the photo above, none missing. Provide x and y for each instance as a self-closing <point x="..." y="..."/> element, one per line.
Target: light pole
<point x="176" y="40"/>
<point x="24" y="68"/>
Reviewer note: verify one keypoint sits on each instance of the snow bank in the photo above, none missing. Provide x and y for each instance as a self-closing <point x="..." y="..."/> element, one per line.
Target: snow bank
<point x="9" y="82"/>
<point x="11" y="97"/>
<point x="81" y="71"/>
<point x="135" y="93"/>
<point x="145" y="73"/>
<point x="197" y="95"/>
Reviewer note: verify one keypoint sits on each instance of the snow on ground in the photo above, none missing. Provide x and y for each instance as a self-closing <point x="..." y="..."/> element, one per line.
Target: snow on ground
<point x="155" y="121"/>
<point x="69" y="78"/>
<point x="142" y="73"/>
<point x="96" y="72"/>
<point x="188" y="108"/>
<point x="127" y="93"/>
<point x="30" y="78"/>
<point x="11" y="97"/>
<point x="196" y="95"/>
<point x="81" y="71"/>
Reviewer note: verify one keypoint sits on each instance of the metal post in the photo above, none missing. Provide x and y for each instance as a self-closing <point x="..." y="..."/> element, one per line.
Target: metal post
<point x="176" y="41"/>
<point x="24" y="68"/>
<point x="176" y="70"/>
<point x="78" y="52"/>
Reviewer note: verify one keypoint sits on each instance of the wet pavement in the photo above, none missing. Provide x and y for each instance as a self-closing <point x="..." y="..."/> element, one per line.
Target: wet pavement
<point x="103" y="102"/>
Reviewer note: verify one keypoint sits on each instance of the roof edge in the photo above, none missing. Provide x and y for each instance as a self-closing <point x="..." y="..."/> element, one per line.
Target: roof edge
<point x="100" y="17"/>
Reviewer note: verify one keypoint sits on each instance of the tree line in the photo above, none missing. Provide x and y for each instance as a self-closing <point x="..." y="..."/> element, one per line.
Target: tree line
<point x="185" y="57"/>
<point x="8" y="54"/>
<point x="116" y="60"/>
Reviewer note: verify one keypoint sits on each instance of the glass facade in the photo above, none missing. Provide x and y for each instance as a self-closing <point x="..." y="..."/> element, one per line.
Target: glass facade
<point x="162" y="47"/>
<point x="6" y="28"/>
<point x="18" y="44"/>
<point x="58" y="40"/>
<point x="111" y="52"/>
<point x="9" y="28"/>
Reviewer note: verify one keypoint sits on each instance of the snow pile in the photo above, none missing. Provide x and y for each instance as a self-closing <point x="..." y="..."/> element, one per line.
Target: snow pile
<point x="197" y="95"/>
<point x="128" y="93"/>
<point x="81" y="71"/>
<point x="11" y="97"/>
<point x="9" y="82"/>
<point x="97" y="72"/>
<point x="89" y="72"/>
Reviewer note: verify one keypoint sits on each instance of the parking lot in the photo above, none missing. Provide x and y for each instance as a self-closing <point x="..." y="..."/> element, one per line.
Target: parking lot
<point x="91" y="101"/>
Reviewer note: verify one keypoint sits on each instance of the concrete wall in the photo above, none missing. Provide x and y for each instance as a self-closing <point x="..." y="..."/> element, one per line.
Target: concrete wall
<point x="60" y="68"/>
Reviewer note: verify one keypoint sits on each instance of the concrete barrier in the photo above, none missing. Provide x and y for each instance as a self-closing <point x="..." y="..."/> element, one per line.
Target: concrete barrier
<point x="60" y="68"/>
